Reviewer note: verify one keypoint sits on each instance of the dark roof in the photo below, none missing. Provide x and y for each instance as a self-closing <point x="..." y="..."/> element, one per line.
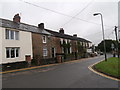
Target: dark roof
<point x="30" y="28"/>
<point x="21" y="26"/>
<point x="66" y="36"/>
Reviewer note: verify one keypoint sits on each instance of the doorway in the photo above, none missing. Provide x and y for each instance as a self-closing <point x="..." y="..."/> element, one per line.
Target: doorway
<point x="53" y="52"/>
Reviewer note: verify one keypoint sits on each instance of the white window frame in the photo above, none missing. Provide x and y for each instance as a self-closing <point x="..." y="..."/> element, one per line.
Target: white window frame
<point x="16" y="37"/>
<point x="69" y="41"/>
<point x="61" y="41"/>
<point x="62" y="49"/>
<point x="45" y="52"/>
<point x="10" y="48"/>
<point x="44" y="41"/>
<point x="66" y="41"/>
<point x="70" y="49"/>
<point x="9" y="35"/>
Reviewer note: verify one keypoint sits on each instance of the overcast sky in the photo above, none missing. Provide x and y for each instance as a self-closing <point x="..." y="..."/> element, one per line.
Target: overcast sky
<point x="75" y="16"/>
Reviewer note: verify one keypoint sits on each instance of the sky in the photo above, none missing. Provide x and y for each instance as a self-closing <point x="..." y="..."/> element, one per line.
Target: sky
<point x="74" y="16"/>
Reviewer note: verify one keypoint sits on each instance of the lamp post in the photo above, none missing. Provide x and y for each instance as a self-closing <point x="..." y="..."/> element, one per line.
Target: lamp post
<point x="103" y="33"/>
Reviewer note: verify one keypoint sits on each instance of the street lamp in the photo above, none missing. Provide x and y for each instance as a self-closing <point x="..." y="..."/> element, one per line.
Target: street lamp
<point x="103" y="33"/>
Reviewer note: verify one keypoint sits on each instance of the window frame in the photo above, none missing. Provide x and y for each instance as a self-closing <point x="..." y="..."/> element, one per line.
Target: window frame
<point x="61" y="40"/>
<point x="9" y="52"/>
<point x="16" y="35"/>
<point x="9" y="36"/>
<point x="44" y="39"/>
<point x="45" y="52"/>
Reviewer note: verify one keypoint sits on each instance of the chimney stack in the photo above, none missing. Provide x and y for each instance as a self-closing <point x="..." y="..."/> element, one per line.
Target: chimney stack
<point x="75" y="35"/>
<point x="17" y="18"/>
<point x="61" y="30"/>
<point x="41" y="25"/>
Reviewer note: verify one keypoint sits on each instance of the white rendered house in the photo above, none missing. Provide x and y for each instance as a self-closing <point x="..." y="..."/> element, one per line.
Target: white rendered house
<point x="16" y="40"/>
<point x="15" y="44"/>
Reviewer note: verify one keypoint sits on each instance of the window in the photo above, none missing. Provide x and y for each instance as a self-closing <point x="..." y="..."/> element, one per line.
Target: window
<point x="61" y="40"/>
<point x="53" y="52"/>
<point x="69" y="41"/>
<point x="10" y="34"/>
<point x="7" y="34"/>
<point x="44" y="51"/>
<point x="44" y="39"/>
<point x="12" y="52"/>
<point x="17" y="52"/>
<point x="62" y="49"/>
<point x="70" y="50"/>
<point x="66" y="41"/>
<point x="16" y="35"/>
<point x="7" y="53"/>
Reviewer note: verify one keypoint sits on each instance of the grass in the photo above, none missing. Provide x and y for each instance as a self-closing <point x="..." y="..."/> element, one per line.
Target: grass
<point x="110" y="67"/>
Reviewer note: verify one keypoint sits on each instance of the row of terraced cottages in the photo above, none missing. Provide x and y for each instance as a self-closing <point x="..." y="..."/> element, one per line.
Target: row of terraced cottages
<point x="21" y="42"/>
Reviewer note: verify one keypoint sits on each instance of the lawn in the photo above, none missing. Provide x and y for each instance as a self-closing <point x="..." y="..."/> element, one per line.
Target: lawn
<point x="110" y="67"/>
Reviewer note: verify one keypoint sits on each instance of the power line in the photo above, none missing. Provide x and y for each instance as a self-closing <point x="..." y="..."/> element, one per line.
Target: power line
<point x="110" y="34"/>
<point x="98" y="32"/>
<point x="60" y="13"/>
<point x="78" y="13"/>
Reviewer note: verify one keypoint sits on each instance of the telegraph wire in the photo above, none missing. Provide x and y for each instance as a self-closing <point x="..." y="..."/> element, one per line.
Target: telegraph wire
<point x="60" y="13"/>
<point x="100" y="32"/>
<point x="79" y="12"/>
<point x="108" y="36"/>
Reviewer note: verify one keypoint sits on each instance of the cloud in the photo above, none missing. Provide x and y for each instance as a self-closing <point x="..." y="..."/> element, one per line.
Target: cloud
<point x="33" y="15"/>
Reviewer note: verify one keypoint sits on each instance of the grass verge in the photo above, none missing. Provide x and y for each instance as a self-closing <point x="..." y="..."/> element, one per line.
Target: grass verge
<point x="110" y="67"/>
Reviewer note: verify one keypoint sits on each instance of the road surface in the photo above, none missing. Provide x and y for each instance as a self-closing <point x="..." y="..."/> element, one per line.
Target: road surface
<point x="66" y="75"/>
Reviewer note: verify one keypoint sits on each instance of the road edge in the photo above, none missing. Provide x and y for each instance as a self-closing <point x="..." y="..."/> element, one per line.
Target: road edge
<point x="101" y="74"/>
<point x="29" y="68"/>
<point x="35" y="67"/>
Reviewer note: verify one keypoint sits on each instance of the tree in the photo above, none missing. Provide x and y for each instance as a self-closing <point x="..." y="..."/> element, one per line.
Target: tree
<point x="108" y="45"/>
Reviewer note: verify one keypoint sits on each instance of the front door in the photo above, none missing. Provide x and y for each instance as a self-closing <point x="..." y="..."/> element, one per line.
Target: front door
<point x="53" y="52"/>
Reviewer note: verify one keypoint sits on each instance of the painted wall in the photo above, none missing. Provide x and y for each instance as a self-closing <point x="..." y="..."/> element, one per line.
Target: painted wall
<point x="24" y="43"/>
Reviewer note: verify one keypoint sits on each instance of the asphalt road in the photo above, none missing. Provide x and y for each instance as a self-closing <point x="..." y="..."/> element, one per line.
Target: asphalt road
<point x="66" y="75"/>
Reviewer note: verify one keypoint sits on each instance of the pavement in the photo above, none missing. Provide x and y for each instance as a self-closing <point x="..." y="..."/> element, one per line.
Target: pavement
<point x="74" y="74"/>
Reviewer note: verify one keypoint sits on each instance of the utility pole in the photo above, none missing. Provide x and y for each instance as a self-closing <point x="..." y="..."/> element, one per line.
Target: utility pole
<point x="116" y="41"/>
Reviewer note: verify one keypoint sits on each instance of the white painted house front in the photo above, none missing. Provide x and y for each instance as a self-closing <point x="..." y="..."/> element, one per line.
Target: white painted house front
<point x="14" y="45"/>
<point x="16" y="40"/>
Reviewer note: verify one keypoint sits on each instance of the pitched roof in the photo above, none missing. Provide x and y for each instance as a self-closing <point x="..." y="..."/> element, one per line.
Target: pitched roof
<point x="21" y="26"/>
<point x="66" y="36"/>
<point x="30" y="28"/>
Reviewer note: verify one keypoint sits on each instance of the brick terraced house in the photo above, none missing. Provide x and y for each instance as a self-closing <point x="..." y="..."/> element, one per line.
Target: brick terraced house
<point x="21" y="42"/>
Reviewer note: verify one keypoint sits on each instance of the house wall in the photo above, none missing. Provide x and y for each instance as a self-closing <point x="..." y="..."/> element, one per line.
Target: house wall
<point x="24" y="43"/>
<point x="38" y="45"/>
<point x="55" y="42"/>
<point x="73" y="44"/>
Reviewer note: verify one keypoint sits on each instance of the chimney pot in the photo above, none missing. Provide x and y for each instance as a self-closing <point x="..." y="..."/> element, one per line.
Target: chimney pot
<point x="17" y="18"/>
<point x="61" y="30"/>
<point x="41" y="25"/>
